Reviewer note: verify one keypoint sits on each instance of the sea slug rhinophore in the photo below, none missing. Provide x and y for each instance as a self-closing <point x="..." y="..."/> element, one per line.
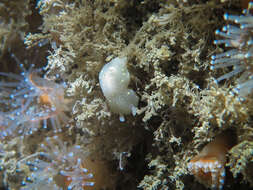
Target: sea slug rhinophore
<point x="114" y="79"/>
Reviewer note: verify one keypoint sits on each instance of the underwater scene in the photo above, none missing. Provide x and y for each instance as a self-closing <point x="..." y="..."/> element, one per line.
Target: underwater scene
<point x="126" y="94"/>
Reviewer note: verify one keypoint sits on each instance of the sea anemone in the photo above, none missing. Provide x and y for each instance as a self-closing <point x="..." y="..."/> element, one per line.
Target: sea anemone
<point x="209" y="165"/>
<point x="239" y="38"/>
<point x="57" y="159"/>
<point x="30" y="100"/>
<point x="78" y="177"/>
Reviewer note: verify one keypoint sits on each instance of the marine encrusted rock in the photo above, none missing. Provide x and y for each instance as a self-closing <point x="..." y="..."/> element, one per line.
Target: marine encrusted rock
<point x="168" y="45"/>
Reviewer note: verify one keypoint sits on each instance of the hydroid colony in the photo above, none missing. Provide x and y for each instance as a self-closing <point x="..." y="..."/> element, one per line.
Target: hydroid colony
<point x="61" y="135"/>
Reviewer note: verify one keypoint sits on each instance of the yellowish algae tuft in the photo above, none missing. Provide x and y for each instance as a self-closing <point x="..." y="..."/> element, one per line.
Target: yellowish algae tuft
<point x="241" y="161"/>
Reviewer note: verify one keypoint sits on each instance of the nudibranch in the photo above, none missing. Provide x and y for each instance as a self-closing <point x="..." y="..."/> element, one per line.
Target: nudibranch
<point x="114" y="79"/>
<point x="209" y="165"/>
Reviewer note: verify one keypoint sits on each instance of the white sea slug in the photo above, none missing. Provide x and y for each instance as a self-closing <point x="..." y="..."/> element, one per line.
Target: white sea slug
<point x="114" y="79"/>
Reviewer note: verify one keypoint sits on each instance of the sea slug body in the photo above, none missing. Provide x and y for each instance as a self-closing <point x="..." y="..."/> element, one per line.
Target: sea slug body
<point x="114" y="79"/>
